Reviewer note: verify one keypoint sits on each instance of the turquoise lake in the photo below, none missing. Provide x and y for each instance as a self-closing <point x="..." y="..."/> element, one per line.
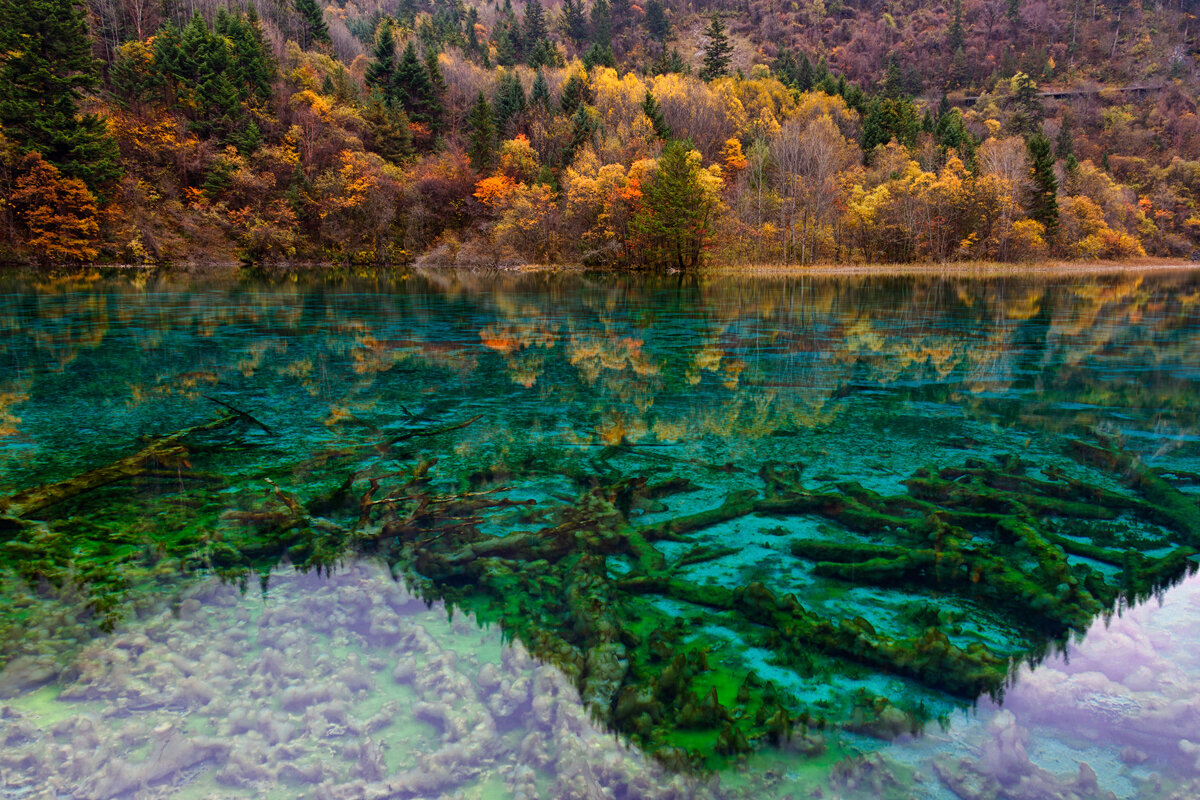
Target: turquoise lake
<point x="533" y="535"/>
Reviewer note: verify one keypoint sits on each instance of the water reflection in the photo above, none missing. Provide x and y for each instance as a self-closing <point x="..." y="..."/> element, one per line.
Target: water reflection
<point x="348" y="686"/>
<point x="736" y="515"/>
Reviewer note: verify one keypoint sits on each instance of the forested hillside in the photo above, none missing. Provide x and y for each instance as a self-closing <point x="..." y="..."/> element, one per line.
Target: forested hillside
<point x="603" y="132"/>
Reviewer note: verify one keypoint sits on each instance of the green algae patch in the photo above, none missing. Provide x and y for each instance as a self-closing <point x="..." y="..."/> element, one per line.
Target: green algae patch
<point x="985" y="534"/>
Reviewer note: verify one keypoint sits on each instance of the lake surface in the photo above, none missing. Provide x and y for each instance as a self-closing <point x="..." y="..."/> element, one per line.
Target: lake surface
<point x="538" y="535"/>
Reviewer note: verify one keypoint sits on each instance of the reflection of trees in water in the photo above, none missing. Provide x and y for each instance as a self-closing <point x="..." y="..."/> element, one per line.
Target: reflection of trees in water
<point x="610" y="361"/>
<point x="621" y="344"/>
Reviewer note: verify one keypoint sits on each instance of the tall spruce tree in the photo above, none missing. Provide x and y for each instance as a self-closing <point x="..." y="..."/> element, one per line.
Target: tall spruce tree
<point x="381" y="72"/>
<point x="481" y="147"/>
<point x="535" y="29"/>
<point x="539" y="93"/>
<point x="657" y="24"/>
<point x="602" y="23"/>
<point x="313" y="29"/>
<point x="411" y="86"/>
<point x="435" y="99"/>
<point x="1027" y="112"/>
<point x="718" y="52"/>
<point x="575" y="22"/>
<point x="46" y="65"/>
<point x="510" y="100"/>
<point x="676" y="211"/>
<point x="1044" y="202"/>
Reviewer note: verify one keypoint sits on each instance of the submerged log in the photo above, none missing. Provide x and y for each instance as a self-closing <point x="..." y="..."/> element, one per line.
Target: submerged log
<point x="163" y="449"/>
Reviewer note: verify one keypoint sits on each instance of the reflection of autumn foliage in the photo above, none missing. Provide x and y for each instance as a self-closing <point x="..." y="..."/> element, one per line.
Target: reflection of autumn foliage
<point x="12" y="393"/>
<point x="735" y="358"/>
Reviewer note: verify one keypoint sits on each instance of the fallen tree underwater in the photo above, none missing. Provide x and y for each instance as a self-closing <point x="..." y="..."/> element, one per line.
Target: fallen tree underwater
<point x="585" y="586"/>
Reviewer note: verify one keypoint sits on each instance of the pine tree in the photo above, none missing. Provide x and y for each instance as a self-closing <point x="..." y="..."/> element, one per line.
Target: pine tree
<point x="510" y="100"/>
<point x="670" y="61"/>
<point x="657" y="24"/>
<point x="545" y="54"/>
<point x="539" y="93"/>
<point x="599" y="56"/>
<point x="652" y="109"/>
<point x="535" y="28"/>
<point x="602" y="23"/>
<point x="1027" y="113"/>
<point x="955" y="37"/>
<point x="1064" y="145"/>
<point x="45" y="66"/>
<point x="508" y="44"/>
<point x="472" y="36"/>
<point x="482" y="144"/>
<point x="676" y="210"/>
<point x="621" y="11"/>
<point x="411" y="86"/>
<point x="435" y="99"/>
<point x="255" y="61"/>
<point x="390" y="136"/>
<point x="381" y="72"/>
<point x="1044" y="200"/>
<point x="718" y="52"/>
<point x="805" y="75"/>
<point x="584" y="126"/>
<point x="574" y="94"/>
<point x="574" y="21"/>
<point x="313" y="29"/>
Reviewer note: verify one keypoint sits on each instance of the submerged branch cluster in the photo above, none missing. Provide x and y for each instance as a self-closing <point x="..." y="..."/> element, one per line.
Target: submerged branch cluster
<point x="589" y="586"/>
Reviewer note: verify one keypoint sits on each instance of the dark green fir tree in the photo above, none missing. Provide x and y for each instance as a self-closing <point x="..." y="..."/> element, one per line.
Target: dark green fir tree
<point x="539" y="93"/>
<point x="313" y="30"/>
<point x="1044" y="200"/>
<point x="45" y="68"/>
<point x="653" y="110"/>
<point x="381" y="72"/>
<point x="481" y="146"/>
<point x="718" y="52"/>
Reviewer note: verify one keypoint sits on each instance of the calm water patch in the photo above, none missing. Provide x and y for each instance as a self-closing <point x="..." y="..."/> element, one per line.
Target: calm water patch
<point x="592" y="536"/>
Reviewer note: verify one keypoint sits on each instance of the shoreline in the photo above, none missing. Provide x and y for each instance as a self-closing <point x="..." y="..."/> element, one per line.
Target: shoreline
<point x="967" y="269"/>
<point x="989" y="269"/>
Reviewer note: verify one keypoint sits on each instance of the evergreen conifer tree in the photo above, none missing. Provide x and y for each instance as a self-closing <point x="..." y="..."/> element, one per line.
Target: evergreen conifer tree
<point x="676" y="212"/>
<point x="574" y="21"/>
<point x="574" y="94"/>
<point x="653" y="109"/>
<point x="381" y="72"/>
<point x="411" y="87"/>
<point x="1044" y="202"/>
<point x="535" y="28"/>
<point x="539" y="93"/>
<point x="621" y="10"/>
<point x="45" y="66"/>
<point x="718" y="52"/>
<point x="510" y="100"/>
<point x="482" y="143"/>
<point x="435" y="99"/>
<point x="601" y="23"/>
<point x="389" y="132"/>
<point x="1027" y="112"/>
<point x="313" y="29"/>
<point x="599" y="56"/>
<point x="657" y="24"/>
<point x="955" y="37"/>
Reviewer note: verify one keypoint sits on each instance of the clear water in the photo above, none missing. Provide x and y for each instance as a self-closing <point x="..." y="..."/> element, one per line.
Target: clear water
<point x="180" y="629"/>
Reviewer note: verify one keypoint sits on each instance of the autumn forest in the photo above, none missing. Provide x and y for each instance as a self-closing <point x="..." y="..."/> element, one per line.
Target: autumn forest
<point x="607" y="133"/>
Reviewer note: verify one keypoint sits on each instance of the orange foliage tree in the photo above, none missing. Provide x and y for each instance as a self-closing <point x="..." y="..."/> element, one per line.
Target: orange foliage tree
<point x="57" y="214"/>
